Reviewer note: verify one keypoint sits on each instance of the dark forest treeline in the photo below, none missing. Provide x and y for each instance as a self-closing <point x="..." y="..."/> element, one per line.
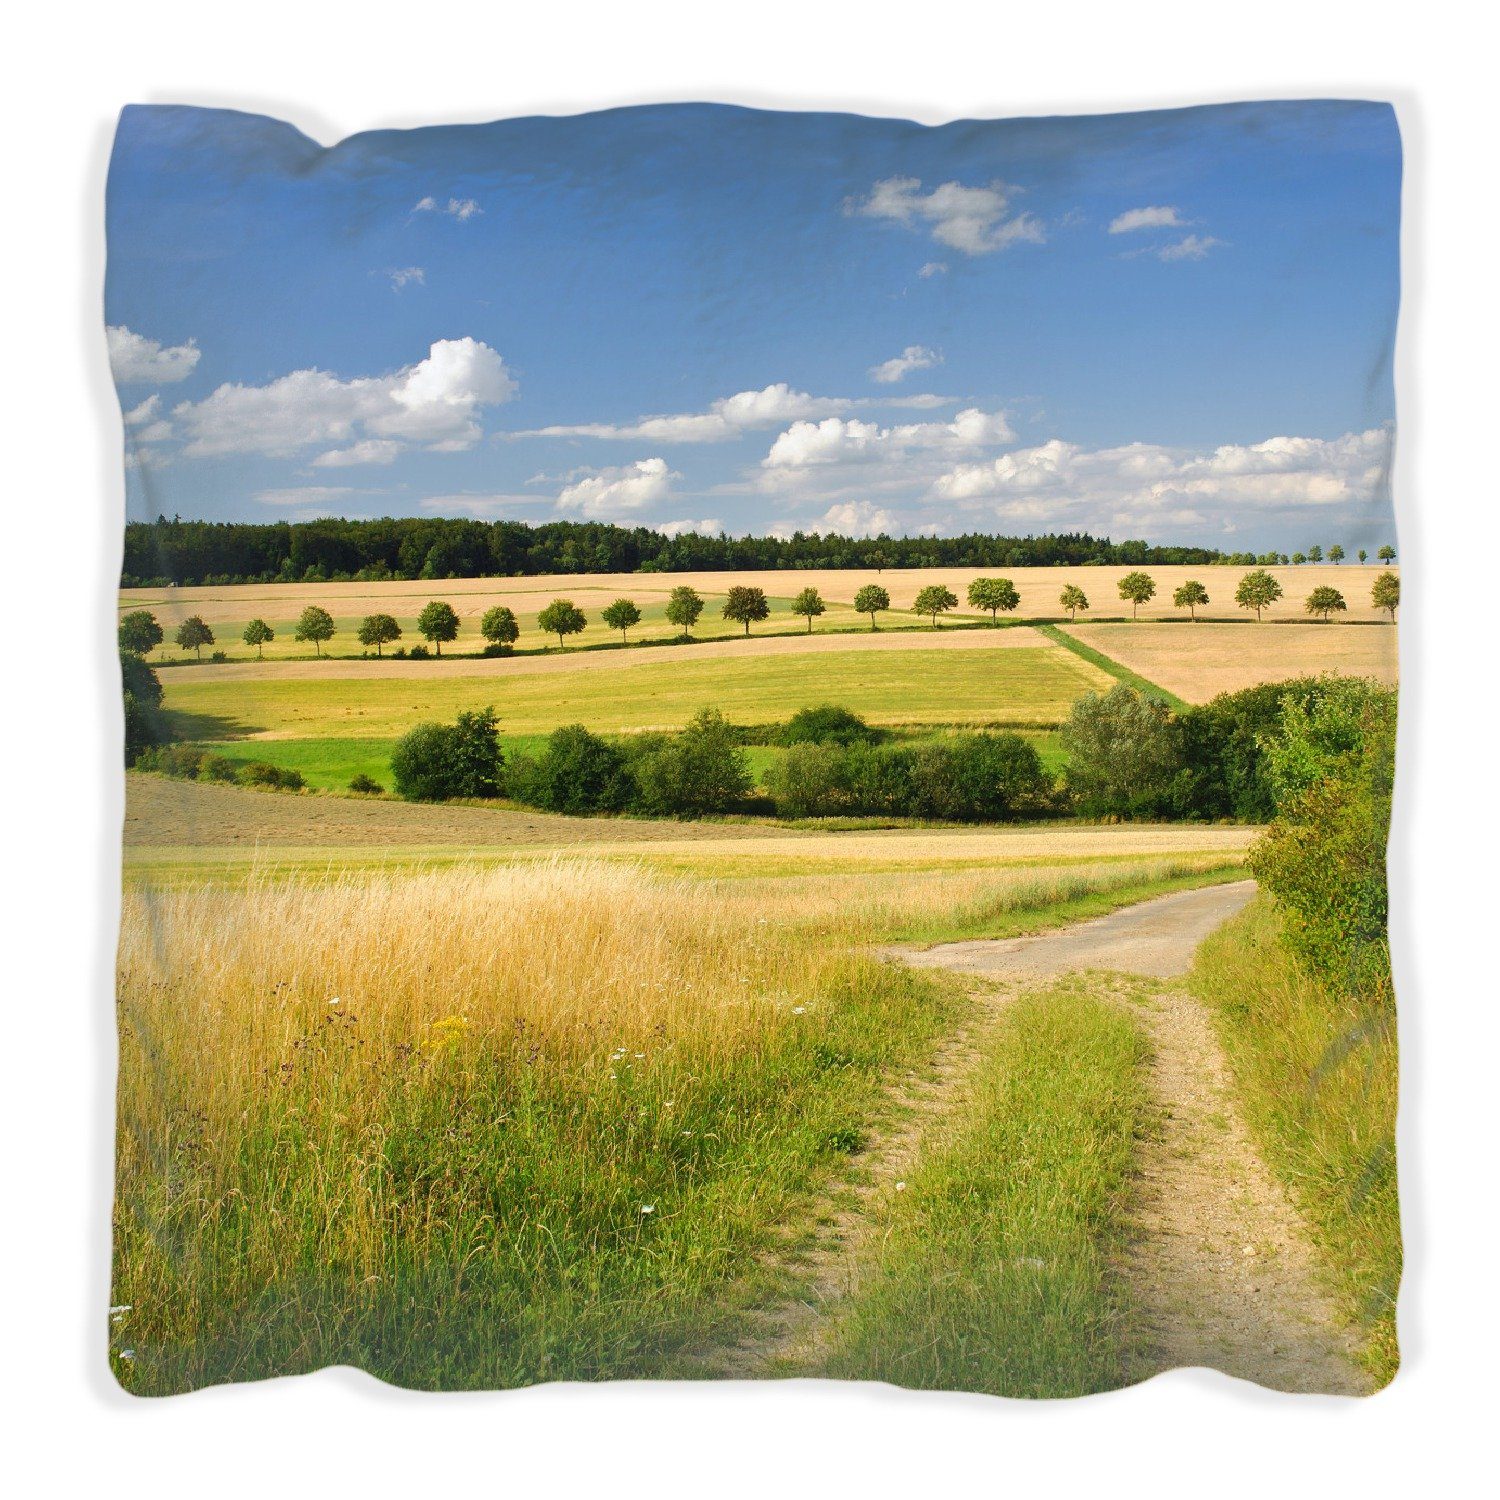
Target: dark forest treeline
<point x="215" y="552"/>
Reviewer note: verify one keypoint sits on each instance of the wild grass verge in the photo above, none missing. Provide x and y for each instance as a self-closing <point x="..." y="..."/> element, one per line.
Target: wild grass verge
<point x="475" y="1129"/>
<point x="993" y="1268"/>
<point x="1317" y="1074"/>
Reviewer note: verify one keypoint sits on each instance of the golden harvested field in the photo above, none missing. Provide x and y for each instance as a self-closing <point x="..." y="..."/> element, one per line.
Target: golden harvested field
<point x="228" y="608"/>
<point x="1198" y="661"/>
<point x="173" y="826"/>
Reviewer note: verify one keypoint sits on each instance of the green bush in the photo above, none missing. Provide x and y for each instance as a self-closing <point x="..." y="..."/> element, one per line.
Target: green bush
<point x="700" y="770"/>
<point x="828" y="724"/>
<point x="218" y="768"/>
<point x="577" y="772"/>
<point x="417" y="653"/>
<point x="1124" y="757"/>
<point x="181" y="761"/>
<point x="436" y="761"/>
<point x="277" y="778"/>
<point x="145" y="727"/>
<point x="366" y="786"/>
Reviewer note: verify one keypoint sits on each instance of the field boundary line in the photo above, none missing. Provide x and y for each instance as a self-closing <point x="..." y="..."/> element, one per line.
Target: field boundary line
<point x="1118" y="670"/>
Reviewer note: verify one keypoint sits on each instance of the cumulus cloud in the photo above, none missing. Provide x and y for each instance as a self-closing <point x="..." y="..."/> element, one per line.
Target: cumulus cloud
<point x="708" y="527"/>
<point x="402" y="276"/>
<point x="913" y="357"/>
<point x="727" y="418"/>
<point x="973" y="220"/>
<point x="367" y="451"/>
<point x="837" y="440"/>
<point x="458" y="208"/>
<point x="857" y="518"/>
<point x="137" y="360"/>
<point x="603" y="494"/>
<point x="145" y="424"/>
<point x="434" y="403"/>
<point x="1191" y="247"/>
<point x="1141" y="483"/>
<point x="1144" y="218"/>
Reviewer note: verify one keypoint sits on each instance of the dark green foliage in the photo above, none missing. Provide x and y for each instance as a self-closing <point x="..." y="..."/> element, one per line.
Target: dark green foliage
<point x="182" y="761"/>
<point x="145" y="727"/>
<point x="809" y="603"/>
<point x="827" y="724"/>
<point x="378" y="630"/>
<point x="218" y="768"/>
<point x="871" y="600"/>
<point x="438" y="623"/>
<point x="365" y="786"/>
<point x="700" y="770"/>
<point x="933" y="601"/>
<point x="684" y="605"/>
<point x="1123" y="756"/>
<point x="436" y="761"/>
<point x="500" y="628"/>
<point x="139" y="632"/>
<point x="744" y="604"/>
<point x="1323" y="858"/>
<point x="194" y="634"/>
<point x="562" y="618"/>
<point x="577" y="772"/>
<point x="315" y="624"/>
<point x="274" y="778"/>
<point x="1138" y="589"/>
<point x="961" y="778"/>
<point x="621" y="615"/>
<point x="185" y="551"/>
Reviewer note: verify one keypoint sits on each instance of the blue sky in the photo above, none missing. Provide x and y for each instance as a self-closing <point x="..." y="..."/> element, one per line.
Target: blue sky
<point x="1175" y="325"/>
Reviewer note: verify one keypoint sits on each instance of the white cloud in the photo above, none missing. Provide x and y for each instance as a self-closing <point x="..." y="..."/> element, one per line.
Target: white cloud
<point x="1064" y="484"/>
<point x="1191" y="247"/>
<point x="402" y="276"/>
<point x="434" y="403"/>
<point x="730" y="417"/>
<point x="145" y="424"/>
<point x="857" y="518"/>
<point x="709" y="527"/>
<point x="137" y="360"/>
<point x="458" y="208"/>
<point x="607" y="493"/>
<point x="367" y="451"/>
<point x="837" y="440"/>
<point x="305" y="497"/>
<point x="481" y="507"/>
<point x="933" y="268"/>
<point x="913" y="357"/>
<point x="1144" y="218"/>
<point x="974" y="220"/>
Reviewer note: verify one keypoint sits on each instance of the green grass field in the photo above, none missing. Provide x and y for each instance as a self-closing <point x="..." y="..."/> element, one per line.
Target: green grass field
<point x="1018" y="686"/>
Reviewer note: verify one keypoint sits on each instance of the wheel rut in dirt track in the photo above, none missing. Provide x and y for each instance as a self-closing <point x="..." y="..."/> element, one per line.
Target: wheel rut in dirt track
<point x="1220" y="1268"/>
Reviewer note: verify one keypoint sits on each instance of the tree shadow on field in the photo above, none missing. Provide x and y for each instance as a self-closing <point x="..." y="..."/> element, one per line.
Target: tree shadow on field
<point x="196" y="726"/>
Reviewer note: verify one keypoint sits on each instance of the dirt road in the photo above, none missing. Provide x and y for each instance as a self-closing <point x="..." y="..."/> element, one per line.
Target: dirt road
<point x="1155" y="938"/>
<point x="1221" y="1268"/>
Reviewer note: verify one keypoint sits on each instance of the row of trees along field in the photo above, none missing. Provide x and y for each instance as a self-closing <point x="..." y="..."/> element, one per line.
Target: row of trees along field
<point x="333" y="550"/>
<point x="141" y="632"/>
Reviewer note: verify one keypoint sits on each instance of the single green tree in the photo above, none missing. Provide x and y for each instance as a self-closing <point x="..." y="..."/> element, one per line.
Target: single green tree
<point x="809" y="603"/>
<point x="1324" y="601"/>
<point x="378" y="630"/>
<point x="621" y="615"/>
<point x="1298" y="558"/>
<point x="1315" y="553"/>
<point x="316" y="625"/>
<point x="562" y="618"/>
<point x="684" y="605"/>
<point x="257" y="633"/>
<point x="1361" y="554"/>
<point x="1257" y="590"/>
<point x="1073" y="599"/>
<point x="1190" y="596"/>
<point x="933" y="601"/>
<point x="1386" y="593"/>
<point x="193" y="635"/>
<point x="140" y="632"/>
<point x="745" y="603"/>
<point x="1386" y="553"/>
<point x="1138" y="588"/>
<point x="500" y="627"/>
<point x="1335" y="553"/>
<point x="870" y="600"/>
<point x="438" y="622"/>
<point x="993" y="594"/>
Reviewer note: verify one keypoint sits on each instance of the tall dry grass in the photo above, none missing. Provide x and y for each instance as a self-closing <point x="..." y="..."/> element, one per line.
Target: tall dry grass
<point x="485" y="1126"/>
